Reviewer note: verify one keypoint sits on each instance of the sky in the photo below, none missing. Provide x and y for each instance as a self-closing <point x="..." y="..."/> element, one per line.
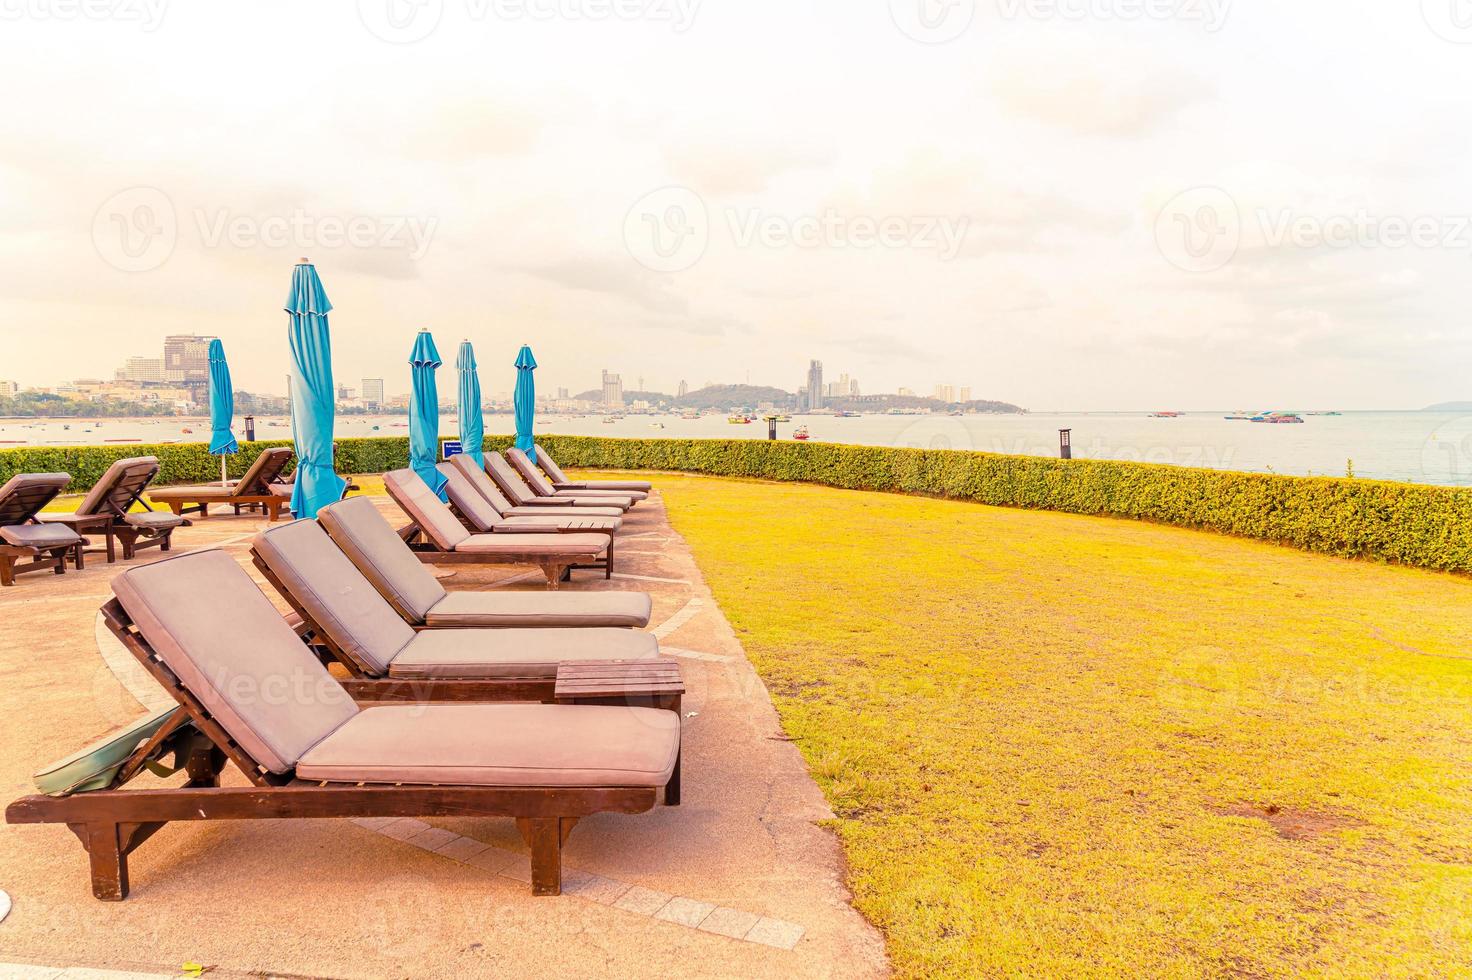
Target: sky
<point x="1065" y="204"/>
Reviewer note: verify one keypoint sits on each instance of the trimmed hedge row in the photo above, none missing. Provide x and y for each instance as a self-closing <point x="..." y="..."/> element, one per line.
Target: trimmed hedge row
<point x="1427" y="526"/>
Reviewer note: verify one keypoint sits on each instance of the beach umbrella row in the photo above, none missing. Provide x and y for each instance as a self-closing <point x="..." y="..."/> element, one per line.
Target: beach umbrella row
<point x="313" y="400"/>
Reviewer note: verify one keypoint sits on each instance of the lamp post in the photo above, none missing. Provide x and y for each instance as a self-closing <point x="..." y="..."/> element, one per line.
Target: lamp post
<point x="1065" y="444"/>
<point x="250" y="428"/>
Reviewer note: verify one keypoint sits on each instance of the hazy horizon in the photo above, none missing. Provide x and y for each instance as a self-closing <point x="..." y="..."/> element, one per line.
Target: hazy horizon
<point x="1082" y="205"/>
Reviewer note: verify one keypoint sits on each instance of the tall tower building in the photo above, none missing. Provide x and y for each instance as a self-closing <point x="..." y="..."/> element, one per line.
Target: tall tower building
<point x="815" y="385"/>
<point x="187" y="358"/>
<point x="613" y="390"/>
<point x="373" y="392"/>
<point x="684" y="389"/>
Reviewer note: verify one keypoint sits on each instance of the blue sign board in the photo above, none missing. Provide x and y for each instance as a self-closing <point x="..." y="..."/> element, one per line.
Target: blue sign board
<point x="451" y="447"/>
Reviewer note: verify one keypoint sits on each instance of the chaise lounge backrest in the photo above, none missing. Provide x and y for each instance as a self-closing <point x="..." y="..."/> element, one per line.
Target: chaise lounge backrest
<point x="210" y="625"/>
<point x="264" y="471"/>
<point x="115" y="492"/>
<point x="425" y="509"/>
<point x="549" y="466"/>
<point x="529" y="472"/>
<point x="26" y="493"/>
<point x="476" y="474"/>
<point x="370" y="543"/>
<point x="467" y="500"/>
<point x="337" y="597"/>
<point x="511" y="484"/>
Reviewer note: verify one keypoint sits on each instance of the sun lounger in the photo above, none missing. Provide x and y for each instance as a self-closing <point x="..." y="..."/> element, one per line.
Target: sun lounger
<point x="369" y="542"/>
<point x="390" y="660"/>
<point x="559" y="479"/>
<point x="48" y="546"/>
<point x="479" y="517"/>
<point x="256" y="487"/>
<point x="108" y="510"/>
<point x="483" y="484"/>
<point x="542" y="487"/>
<point x="202" y="628"/>
<point x="520" y="493"/>
<point x="437" y="536"/>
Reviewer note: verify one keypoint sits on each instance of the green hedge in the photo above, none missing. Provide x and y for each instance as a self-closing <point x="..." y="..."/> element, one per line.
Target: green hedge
<point x="1403" y="522"/>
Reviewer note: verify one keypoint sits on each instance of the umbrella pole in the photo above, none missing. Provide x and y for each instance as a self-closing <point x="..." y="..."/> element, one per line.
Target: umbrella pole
<point x="222" y="469"/>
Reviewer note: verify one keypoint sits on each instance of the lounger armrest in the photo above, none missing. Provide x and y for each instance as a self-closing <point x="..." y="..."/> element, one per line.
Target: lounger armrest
<point x="526" y="529"/>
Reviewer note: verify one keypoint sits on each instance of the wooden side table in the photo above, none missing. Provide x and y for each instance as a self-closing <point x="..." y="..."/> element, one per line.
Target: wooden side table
<point x="640" y="683"/>
<point x="87" y="525"/>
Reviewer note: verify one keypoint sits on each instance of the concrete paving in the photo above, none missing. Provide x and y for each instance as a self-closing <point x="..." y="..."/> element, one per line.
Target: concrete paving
<point x="738" y="881"/>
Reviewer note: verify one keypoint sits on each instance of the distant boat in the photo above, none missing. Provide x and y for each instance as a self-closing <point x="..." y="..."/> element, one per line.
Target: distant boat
<point x="656" y="425"/>
<point x="1279" y="418"/>
<point x="801" y="433"/>
<point x="609" y="420"/>
<point x="1324" y="413"/>
<point x="739" y="420"/>
<point x="1241" y="417"/>
<point x="1165" y="415"/>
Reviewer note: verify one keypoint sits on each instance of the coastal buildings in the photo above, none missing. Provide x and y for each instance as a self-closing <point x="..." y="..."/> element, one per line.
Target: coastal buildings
<point x="815" y="386"/>
<point x="9" y="389"/>
<point x="142" y="370"/>
<point x="372" y="392"/>
<point x="684" y="390"/>
<point x="945" y="393"/>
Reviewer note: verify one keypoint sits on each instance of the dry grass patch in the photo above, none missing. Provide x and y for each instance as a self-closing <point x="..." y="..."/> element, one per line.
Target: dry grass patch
<point x="1072" y="745"/>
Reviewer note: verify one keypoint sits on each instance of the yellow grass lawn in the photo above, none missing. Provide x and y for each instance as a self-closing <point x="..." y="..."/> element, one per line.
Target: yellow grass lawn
<point x="1073" y="745"/>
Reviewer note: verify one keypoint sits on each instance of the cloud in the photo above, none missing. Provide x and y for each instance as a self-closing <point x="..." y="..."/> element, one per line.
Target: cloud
<point x="1117" y="94"/>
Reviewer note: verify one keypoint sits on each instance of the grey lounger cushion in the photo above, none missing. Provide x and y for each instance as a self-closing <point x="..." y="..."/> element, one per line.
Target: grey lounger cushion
<point x="514" y="653"/>
<point x="39" y="536"/>
<point x="362" y="533"/>
<point x="500" y="745"/>
<point x="213" y="627"/>
<point x="542" y="609"/>
<point x="559" y="478"/>
<point x="483" y="484"/>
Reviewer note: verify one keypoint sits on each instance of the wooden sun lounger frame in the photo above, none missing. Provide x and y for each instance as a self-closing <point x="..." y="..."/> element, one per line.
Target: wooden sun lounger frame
<point x="112" y="823"/>
<point x="554" y="525"/>
<point x="364" y="684"/>
<point x="132" y="539"/>
<point x="270" y="503"/>
<point x="557" y="568"/>
<point x="40" y="558"/>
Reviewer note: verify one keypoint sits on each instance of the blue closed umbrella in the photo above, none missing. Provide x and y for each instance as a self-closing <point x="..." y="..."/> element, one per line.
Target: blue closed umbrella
<point x="313" y="397"/>
<point x="472" y="426"/>
<point x="424" y="414"/>
<point x="222" y="407"/>
<point x="525" y="400"/>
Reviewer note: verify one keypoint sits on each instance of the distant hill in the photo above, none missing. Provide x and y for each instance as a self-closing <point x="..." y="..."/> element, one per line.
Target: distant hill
<point x="1449" y="407"/>
<point x="883" y="403"/>
<point x="727" y="397"/>
<point x="653" y="397"/>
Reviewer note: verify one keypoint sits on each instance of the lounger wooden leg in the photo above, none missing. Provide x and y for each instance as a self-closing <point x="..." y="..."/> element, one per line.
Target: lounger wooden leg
<point x="556" y="575"/>
<point x="59" y="555"/>
<point x="110" y="538"/>
<point x="672" y="788"/>
<point x="77" y="554"/>
<point x="274" y="511"/>
<point x="178" y="509"/>
<point x="608" y="560"/>
<point x="545" y="836"/>
<point x="7" y="570"/>
<point x="109" y="863"/>
<point x="204" y="509"/>
<point x="167" y="541"/>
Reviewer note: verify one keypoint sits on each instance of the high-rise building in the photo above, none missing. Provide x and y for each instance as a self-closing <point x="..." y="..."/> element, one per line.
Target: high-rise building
<point x="945" y="393"/>
<point x="187" y="358"/>
<point x="684" y="389"/>
<point x="9" y="389"/>
<point x="906" y="393"/>
<point x="965" y="394"/>
<point x="373" y="392"/>
<point x="144" y="370"/>
<point x="346" y="394"/>
<point x="562" y="394"/>
<point x="815" y="385"/>
<point x="613" y="390"/>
